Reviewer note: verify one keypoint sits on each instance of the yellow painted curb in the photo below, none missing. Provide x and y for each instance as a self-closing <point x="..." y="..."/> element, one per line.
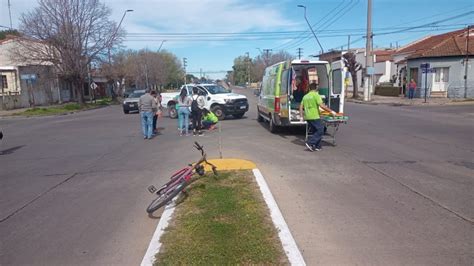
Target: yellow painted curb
<point x="231" y="164"/>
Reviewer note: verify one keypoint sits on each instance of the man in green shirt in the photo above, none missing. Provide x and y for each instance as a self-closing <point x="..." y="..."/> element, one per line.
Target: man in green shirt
<point x="311" y="103"/>
<point x="209" y="119"/>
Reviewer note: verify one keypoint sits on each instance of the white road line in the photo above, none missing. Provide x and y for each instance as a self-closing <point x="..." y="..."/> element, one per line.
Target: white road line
<point x="155" y="244"/>
<point x="287" y="240"/>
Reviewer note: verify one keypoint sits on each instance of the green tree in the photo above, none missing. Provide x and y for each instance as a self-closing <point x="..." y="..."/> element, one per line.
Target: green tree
<point x="240" y="70"/>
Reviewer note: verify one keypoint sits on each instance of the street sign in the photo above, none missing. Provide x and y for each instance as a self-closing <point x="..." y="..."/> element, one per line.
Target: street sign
<point x="93" y="86"/>
<point x="429" y="70"/>
<point x="425" y="66"/>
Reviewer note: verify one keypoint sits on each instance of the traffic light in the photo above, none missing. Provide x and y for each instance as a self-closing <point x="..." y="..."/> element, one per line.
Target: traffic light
<point x="184" y="62"/>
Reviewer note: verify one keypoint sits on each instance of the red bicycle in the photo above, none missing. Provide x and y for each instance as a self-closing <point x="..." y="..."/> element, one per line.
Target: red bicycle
<point x="179" y="181"/>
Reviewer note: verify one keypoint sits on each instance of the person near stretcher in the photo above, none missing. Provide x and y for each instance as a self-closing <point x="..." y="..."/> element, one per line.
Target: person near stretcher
<point x="310" y="109"/>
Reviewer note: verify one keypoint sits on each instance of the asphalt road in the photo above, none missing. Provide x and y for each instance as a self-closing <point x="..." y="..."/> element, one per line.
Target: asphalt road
<point x="396" y="190"/>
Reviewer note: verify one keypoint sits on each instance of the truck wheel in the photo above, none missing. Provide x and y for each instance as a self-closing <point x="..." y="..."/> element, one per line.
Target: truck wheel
<point x="219" y="112"/>
<point x="126" y="111"/>
<point x="172" y="112"/>
<point x="238" y="116"/>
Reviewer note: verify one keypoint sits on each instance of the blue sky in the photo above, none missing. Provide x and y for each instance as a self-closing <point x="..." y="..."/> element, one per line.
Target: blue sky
<point x="276" y="25"/>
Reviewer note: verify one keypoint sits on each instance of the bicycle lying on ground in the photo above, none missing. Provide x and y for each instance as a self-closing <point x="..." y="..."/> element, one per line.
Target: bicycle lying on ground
<point x="179" y="181"/>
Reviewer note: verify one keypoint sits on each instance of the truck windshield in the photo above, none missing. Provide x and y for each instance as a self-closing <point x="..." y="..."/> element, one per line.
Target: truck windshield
<point x="216" y="89"/>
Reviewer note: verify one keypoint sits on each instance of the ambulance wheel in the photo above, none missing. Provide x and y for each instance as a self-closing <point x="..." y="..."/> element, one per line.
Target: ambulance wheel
<point x="272" y="127"/>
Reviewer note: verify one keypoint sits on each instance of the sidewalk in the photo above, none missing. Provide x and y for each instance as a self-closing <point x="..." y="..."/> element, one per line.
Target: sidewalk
<point x="403" y="101"/>
<point x="11" y="112"/>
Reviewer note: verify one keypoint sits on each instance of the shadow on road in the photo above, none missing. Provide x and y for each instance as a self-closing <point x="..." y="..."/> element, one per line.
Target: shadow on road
<point x="11" y="150"/>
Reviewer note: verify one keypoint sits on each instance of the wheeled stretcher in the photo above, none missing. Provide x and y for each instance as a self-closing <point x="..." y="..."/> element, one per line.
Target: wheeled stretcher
<point x="331" y="126"/>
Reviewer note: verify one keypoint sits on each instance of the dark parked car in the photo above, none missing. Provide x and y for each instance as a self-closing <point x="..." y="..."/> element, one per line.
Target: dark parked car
<point x="131" y="102"/>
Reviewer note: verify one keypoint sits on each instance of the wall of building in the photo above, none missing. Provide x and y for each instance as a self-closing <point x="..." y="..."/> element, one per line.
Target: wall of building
<point x="42" y="91"/>
<point x="455" y="87"/>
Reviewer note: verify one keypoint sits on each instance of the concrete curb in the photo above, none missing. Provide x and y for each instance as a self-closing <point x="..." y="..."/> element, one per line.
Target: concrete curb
<point x="286" y="238"/>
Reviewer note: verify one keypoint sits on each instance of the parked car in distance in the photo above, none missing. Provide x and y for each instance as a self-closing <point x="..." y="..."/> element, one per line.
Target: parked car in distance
<point x="131" y="102"/>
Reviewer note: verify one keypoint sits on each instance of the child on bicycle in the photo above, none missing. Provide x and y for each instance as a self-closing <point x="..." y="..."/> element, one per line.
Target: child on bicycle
<point x="209" y="119"/>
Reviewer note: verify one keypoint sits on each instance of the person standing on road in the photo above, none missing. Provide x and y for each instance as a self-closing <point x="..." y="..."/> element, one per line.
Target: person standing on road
<point x="311" y="103"/>
<point x="197" y="106"/>
<point x="146" y="105"/>
<point x="411" y="89"/>
<point x="184" y="101"/>
<point x="404" y="87"/>
<point x="155" y="111"/>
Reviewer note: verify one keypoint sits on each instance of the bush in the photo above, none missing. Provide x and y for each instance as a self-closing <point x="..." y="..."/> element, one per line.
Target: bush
<point x="72" y="106"/>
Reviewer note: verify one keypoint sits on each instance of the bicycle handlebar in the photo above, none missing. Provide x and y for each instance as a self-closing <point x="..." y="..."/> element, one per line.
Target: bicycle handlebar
<point x="203" y="157"/>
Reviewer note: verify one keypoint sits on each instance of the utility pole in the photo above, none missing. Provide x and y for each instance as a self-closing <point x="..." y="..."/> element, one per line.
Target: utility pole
<point x="10" y="13"/>
<point x="248" y="68"/>
<point x="184" y="65"/>
<point x="368" y="53"/>
<point x="299" y="52"/>
<point x="267" y="51"/>
<point x="348" y="42"/>
<point x="466" y="62"/>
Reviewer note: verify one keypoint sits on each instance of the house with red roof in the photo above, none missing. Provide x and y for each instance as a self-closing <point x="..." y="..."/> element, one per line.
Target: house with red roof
<point x="450" y="60"/>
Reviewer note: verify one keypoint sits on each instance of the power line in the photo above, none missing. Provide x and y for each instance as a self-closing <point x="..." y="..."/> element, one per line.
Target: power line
<point x="286" y="45"/>
<point x="236" y="38"/>
<point x="314" y="25"/>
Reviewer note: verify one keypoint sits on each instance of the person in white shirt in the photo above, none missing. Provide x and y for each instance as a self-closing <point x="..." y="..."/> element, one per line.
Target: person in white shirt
<point x="197" y="106"/>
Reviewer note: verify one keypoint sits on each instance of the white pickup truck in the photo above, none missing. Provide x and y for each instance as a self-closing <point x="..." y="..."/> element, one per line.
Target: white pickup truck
<point x="219" y="100"/>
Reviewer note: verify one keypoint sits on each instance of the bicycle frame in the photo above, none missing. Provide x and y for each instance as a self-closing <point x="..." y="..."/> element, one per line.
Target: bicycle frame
<point x="186" y="173"/>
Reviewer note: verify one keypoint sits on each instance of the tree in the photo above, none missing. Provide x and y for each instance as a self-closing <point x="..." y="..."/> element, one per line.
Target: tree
<point x="353" y="67"/>
<point x="70" y="34"/>
<point x="240" y="70"/>
<point x="239" y="75"/>
<point x="144" y="68"/>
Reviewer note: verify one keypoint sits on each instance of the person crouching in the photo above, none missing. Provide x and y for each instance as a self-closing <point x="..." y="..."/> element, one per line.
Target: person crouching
<point x="209" y="119"/>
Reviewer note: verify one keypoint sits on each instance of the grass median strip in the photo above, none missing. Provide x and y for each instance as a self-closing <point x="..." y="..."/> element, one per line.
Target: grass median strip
<point x="62" y="109"/>
<point x="222" y="220"/>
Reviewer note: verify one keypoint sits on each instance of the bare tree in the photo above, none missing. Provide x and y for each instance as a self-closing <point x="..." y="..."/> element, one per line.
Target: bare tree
<point x="70" y="34"/>
<point x="353" y="66"/>
<point x="144" y="68"/>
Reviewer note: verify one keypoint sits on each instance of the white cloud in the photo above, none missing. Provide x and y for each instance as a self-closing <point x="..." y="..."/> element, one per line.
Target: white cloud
<point x="200" y="16"/>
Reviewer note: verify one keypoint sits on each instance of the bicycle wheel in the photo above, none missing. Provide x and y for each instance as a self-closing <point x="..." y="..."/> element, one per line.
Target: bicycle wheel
<point x="165" y="198"/>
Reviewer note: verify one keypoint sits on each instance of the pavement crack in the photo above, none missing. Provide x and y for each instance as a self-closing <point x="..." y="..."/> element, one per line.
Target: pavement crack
<point x="422" y="195"/>
<point x="389" y="162"/>
<point x="37" y="198"/>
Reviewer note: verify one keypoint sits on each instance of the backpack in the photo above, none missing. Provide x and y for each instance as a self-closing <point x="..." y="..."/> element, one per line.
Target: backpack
<point x="194" y="105"/>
